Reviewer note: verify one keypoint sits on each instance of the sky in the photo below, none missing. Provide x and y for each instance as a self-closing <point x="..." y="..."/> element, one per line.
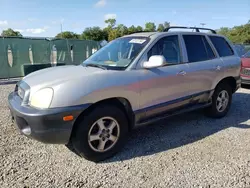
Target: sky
<point x="43" y="18"/>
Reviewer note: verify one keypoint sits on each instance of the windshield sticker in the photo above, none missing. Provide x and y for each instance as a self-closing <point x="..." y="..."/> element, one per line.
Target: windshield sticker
<point x="137" y="41"/>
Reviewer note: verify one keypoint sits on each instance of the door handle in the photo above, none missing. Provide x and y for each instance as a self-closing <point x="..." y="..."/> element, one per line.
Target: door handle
<point x="182" y="73"/>
<point x="218" y="68"/>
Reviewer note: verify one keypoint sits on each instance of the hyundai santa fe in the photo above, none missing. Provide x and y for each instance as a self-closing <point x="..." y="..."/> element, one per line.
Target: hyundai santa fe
<point x="133" y="80"/>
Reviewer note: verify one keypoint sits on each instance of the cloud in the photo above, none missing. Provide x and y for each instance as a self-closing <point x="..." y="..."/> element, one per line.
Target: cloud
<point x="3" y="22"/>
<point x="32" y="19"/>
<point x="174" y="12"/>
<point x="19" y="30"/>
<point x="57" y="22"/>
<point x="101" y="3"/>
<point x="37" y="30"/>
<point x="219" y="18"/>
<point x="110" y="16"/>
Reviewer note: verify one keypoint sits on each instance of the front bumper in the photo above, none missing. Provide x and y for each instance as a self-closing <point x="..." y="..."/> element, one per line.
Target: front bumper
<point x="46" y="126"/>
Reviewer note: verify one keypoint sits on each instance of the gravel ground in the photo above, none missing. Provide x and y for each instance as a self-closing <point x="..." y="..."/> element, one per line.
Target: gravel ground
<point x="185" y="151"/>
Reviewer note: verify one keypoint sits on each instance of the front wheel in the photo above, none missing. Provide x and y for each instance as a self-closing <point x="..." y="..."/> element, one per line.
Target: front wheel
<point x="221" y="101"/>
<point x="101" y="133"/>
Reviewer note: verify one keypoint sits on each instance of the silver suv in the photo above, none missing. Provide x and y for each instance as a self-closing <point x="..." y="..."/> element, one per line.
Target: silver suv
<point x="133" y="80"/>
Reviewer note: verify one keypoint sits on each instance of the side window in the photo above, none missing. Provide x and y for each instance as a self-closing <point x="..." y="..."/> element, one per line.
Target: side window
<point x="169" y="48"/>
<point x="198" y="49"/>
<point x="221" y="46"/>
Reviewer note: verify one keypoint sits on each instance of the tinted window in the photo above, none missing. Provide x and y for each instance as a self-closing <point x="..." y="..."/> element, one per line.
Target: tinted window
<point x="198" y="49"/>
<point x="169" y="48"/>
<point x="221" y="46"/>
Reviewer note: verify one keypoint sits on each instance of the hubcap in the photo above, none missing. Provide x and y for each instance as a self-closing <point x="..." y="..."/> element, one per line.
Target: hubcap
<point x="103" y="134"/>
<point x="222" y="101"/>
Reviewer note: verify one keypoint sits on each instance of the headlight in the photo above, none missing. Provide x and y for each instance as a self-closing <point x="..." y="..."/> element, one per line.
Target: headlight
<point x="42" y="98"/>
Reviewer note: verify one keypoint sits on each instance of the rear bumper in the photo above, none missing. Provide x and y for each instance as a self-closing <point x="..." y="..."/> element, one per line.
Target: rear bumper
<point x="46" y="126"/>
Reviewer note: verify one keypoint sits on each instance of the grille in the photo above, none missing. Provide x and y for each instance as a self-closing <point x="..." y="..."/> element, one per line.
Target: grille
<point x="245" y="71"/>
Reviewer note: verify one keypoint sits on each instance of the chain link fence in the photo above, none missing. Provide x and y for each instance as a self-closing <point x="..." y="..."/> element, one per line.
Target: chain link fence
<point x="16" y="52"/>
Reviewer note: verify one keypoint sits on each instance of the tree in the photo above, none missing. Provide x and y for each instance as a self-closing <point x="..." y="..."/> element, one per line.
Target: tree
<point x="150" y="26"/>
<point x="11" y="33"/>
<point x="122" y="30"/>
<point x="166" y="25"/>
<point x="224" y="31"/>
<point x="132" y="29"/>
<point x="237" y="34"/>
<point x="113" y="34"/>
<point x="111" y="22"/>
<point x="93" y="33"/>
<point x="160" y="28"/>
<point x="139" y="28"/>
<point x="67" y="35"/>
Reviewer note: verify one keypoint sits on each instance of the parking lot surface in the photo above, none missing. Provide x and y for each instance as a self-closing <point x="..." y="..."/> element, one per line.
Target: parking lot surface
<point x="190" y="150"/>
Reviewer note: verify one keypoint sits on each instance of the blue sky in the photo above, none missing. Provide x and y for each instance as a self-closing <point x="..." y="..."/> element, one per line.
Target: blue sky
<point x="43" y="17"/>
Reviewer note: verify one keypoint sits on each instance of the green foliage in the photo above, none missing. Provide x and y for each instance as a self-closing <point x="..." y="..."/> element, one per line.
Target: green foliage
<point x="67" y="35"/>
<point x="160" y="28"/>
<point x="11" y="33"/>
<point x="122" y="30"/>
<point x="238" y="34"/>
<point x="94" y="33"/>
<point x="132" y="29"/>
<point x="139" y="29"/>
<point x="111" y="31"/>
<point x="111" y="22"/>
<point x="150" y="27"/>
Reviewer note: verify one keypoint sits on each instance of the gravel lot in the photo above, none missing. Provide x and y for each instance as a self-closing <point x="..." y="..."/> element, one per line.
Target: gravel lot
<point x="185" y="151"/>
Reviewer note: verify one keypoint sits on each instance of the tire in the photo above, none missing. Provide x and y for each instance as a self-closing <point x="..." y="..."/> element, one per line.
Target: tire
<point x="87" y="127"/>
<point x="213" y="111"/>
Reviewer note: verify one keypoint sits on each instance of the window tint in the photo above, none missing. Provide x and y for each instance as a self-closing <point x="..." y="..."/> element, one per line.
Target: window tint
<point x="221" y="46"/>
<point x="169" y="48"/>
<point x="198" y="49"/>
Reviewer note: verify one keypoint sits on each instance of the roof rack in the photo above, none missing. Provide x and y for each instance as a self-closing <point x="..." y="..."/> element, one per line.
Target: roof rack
<point x="197" y="29"/>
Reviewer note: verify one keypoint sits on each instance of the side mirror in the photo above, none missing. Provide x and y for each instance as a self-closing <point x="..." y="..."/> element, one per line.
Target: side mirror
<point x="154" y="61"/>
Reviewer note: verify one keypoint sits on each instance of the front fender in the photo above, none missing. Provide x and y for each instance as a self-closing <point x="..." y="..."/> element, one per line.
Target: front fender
<point x="98" y="87"/>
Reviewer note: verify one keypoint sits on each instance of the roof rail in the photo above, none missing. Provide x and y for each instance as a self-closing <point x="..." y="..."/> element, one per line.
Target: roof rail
<point x="197" y="29"/>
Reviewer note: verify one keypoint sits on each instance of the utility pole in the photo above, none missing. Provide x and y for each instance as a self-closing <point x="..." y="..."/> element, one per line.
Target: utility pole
<point x="61" y="29"/>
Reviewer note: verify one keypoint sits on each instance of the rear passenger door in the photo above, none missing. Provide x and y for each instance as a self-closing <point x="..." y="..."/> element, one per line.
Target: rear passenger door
<point x="204" y="65"/>
<point x="231" y="64"/>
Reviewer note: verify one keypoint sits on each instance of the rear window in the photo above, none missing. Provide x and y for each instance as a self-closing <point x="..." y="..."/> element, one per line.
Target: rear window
<point x="222" y="46"/>
<point x="198" y="49"/>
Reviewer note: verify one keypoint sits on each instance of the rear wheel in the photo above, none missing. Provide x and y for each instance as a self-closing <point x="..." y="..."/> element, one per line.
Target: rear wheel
<point x="101" y="133"/>
<point x="221" y="101"/>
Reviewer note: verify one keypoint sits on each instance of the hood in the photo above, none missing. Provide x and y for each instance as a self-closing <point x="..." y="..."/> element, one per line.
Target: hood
<point x="245" y="62"/>
<point x="53" y="75"/>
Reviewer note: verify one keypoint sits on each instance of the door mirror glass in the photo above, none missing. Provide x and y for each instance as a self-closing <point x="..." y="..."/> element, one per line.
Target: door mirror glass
<point x="154" y="61"/>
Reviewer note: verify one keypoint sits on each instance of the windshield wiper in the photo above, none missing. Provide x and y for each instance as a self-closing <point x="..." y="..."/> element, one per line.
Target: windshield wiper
<point x="95" y="65"/>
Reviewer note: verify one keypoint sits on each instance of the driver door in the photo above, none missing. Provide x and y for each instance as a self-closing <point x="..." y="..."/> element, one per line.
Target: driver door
<point x="164" y="88"/>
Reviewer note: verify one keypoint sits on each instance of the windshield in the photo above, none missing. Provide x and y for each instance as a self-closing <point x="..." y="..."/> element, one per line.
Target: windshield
<point x="247" y="55"/>
<point x="118" y="53"/>
<point x="241" y="50"/>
